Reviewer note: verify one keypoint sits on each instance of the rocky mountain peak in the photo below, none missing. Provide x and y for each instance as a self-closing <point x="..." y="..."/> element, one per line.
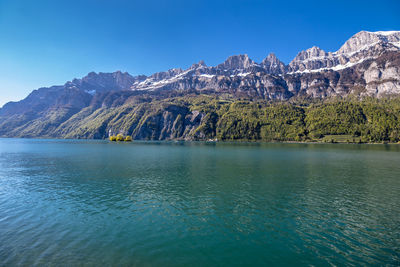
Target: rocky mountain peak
<point x="271" y="58"/>
<point x="364" y="39"/>
<point x="362" y="46"/>
<point x="236" y="62"/>
<point x="97" y="82"/>
<point x="312" y="58"/>
<point x="166" y="74"/>
<point x="312" y="52"/>
<point x="367" y="62"/>
<point x="273" y="65"/>
<point x="200" y="64"/>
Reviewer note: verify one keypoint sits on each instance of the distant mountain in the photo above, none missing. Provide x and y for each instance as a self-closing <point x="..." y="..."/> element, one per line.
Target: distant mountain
<point x="368" y="64"/>
<point x="313" y="72"/>
<point x="362" y="46"/>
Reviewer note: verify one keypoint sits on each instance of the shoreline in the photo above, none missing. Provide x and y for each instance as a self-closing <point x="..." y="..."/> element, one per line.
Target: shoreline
<point x="206" y="141"/>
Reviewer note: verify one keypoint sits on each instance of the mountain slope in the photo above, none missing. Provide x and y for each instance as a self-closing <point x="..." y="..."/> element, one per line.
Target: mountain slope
<point x="99" y="104"/>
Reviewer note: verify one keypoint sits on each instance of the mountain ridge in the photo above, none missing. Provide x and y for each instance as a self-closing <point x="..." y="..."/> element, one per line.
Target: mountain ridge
<point x="242" y="65"/>
<point x="366" y="65"/>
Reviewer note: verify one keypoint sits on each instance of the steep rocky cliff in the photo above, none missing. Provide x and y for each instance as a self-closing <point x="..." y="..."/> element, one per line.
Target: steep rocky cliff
<point x="367" y="65"/>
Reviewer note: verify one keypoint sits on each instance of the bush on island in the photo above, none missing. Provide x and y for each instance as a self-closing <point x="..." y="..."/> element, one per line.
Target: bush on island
<point x="120" y="137"/>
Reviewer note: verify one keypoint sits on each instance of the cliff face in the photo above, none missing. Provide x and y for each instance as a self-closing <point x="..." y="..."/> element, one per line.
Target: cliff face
<point x="272" y="79"/>
<point x="380" y="73"/>
<point x="368" y="64"/>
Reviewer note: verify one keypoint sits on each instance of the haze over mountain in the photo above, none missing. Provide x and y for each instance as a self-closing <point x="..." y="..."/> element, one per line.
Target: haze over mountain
<point x="368" y="64"/>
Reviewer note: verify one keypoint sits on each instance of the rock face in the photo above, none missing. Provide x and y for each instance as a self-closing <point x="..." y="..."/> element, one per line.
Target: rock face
<point x="74" y="94"/>
<point x="236" y="63"/>
<point x="272" y="79"/>
<point x="172" y="122"/>
<point x="368" y="64"/>
<point x="272" y="65"/>
<point x="101" y="82"/>
<point x="364" y="39"/>
<point x="362" y="46"/>
<point x="312" y="59"/>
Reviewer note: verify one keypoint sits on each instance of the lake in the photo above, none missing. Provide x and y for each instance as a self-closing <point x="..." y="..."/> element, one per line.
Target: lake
<point x="95" y="203"/>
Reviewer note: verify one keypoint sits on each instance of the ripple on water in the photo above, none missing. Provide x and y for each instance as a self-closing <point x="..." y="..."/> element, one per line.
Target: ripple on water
<point x="93" y="203"/>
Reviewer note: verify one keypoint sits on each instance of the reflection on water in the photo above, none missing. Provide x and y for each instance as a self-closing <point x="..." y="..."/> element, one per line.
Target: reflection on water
<point x="171" y="203"/>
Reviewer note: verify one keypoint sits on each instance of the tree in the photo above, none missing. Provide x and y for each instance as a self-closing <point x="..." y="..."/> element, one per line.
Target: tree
<point x="120" y="137"/>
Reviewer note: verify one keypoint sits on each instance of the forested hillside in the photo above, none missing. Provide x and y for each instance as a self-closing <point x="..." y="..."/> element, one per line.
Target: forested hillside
<point x="350" y="95"/>
<point x="209" y="117"/>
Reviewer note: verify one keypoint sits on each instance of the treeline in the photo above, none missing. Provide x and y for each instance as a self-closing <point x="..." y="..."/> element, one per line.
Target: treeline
<point x="366" y="120"/>
<point x="222" y="117"/>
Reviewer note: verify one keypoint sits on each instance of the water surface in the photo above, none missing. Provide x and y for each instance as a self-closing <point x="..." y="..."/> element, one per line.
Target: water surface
<point x="73" y="202"/>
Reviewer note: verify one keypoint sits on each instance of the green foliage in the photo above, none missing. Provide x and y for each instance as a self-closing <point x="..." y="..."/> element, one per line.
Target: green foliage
<point x="221" y="117"/>
<point x="120" y="137"/>
<point x="336" y="118"/>
<point x="341" y="139"/>
<point x="261" y="121"/>
<point x="348" y="120"/>
<point x="370" y="120"/>
<point x="367" y="120"/>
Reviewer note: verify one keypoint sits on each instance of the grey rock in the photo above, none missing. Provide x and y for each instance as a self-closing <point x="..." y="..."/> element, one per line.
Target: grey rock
<point x="368" y="64"/>
<point x="273" y="65"/>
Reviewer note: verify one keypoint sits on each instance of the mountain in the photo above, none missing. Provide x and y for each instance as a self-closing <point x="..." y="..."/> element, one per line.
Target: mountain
<point x="313" y="72"/>
<point x="362" y="46"/>
<point x="99" y="104"/>
<point x="74" y="94"/>
<point x="272" y="65"/>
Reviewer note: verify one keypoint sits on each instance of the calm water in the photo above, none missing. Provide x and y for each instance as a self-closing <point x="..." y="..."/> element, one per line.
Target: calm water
<point x="167" y="204"/>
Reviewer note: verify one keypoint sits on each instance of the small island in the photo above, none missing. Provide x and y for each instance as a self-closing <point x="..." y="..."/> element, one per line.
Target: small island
<point x="120" y="137"/>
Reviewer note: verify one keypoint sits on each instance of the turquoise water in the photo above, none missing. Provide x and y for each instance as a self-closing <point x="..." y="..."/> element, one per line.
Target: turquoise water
<point x="96" y="203"/>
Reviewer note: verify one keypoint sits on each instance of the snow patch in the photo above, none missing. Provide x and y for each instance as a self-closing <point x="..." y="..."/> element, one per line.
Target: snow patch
<point x="91" y="92"/>
<point x="150" y="84"/>
<point x="386" y="33"/>
<point x="207" y="75"/>
<point x="397" y="44"/>
<point x="336" y="68"/>
<point x="243" y="74"/>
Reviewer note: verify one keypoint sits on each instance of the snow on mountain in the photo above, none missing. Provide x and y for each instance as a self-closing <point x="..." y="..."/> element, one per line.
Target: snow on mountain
<point x="366" y="64"/>
<point x="360" y="47"/>
<point x="357" y="49"/>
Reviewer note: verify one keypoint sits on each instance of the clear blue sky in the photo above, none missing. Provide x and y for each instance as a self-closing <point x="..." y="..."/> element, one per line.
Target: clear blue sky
<point x="44" y="43"/>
